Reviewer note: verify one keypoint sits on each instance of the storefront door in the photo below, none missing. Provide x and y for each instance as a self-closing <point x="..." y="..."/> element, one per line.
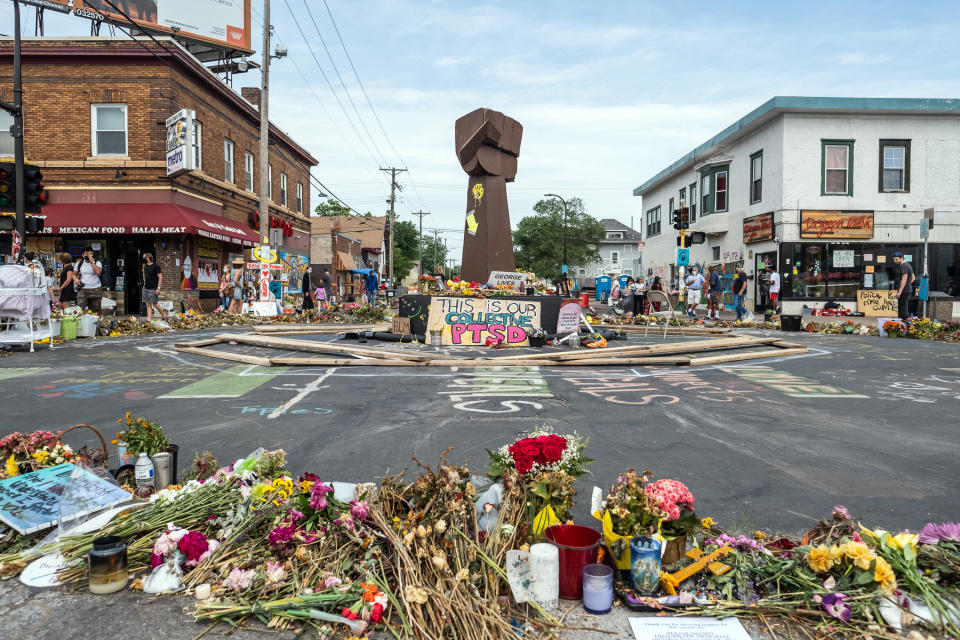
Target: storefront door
<point x="131" y="282"/>
<point x="761" y="294"/>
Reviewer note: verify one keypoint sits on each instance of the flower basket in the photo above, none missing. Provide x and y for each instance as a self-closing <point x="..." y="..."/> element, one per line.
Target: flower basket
<point x="536" y="341"/>
<point x="97" y="457"/>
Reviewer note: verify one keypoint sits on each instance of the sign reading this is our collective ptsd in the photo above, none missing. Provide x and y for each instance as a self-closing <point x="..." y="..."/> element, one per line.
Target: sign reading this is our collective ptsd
<point x="470" y="321"/>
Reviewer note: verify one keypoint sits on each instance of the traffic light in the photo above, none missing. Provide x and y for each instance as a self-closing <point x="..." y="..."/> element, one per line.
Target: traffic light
<point x="36" y="195"/>
<point x="696" y="237"/>
<point x="676" y="219"/>
<point x="7" y="187"/>
<point x="34" y="224"/>
<point x="684" y="218"/>
<point x="7" y="223"/>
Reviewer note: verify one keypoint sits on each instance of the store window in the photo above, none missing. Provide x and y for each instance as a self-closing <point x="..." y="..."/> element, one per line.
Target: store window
<point x="248" y="170"/>
<point x="821" y="270"/>
<point x="756" y="177"/>
<point x="299" y="197"/>
<point x="109" y="129"/>
<point x="879" y="270"/>
<point x="837" y="161"/>
<point x="894" y="165"/>
<point x="228" y="160"/>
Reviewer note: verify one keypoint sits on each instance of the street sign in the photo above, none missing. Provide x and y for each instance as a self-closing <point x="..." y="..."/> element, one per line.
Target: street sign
<point x="683" y="257"/>
<point x="924" y="229"/>
<point x="923" y="291"/>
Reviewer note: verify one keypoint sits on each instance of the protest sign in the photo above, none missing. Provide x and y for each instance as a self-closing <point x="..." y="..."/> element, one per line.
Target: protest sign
<point x="877" y="302"/>
<point x="470" y="321"/>
<point x="513" y="279"/>
<point x="569" y="319"/>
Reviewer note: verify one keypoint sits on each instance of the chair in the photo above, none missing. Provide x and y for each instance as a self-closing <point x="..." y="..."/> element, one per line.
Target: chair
<point x="670" y="313"/>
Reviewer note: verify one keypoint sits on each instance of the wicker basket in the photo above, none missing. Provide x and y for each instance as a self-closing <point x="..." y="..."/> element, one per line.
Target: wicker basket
<point x="91" y="456"/>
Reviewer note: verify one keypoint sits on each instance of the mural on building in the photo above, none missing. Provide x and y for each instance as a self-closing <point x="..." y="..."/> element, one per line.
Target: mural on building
<point x="208" y="264"/>
<point x="294" y="266"/>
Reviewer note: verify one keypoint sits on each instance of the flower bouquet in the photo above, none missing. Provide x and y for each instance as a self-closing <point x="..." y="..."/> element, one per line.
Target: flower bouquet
<point x="140" y="436"/>
<point x="894" y="328"/>
<point x="32" y="451"/>
<point x="680" y="522"/>
<point x="537" y="337"/>
<point x="629" y="511"/>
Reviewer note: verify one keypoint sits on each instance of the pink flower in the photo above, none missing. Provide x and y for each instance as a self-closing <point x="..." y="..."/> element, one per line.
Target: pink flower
<point x="295" y="515"/>
<point x="193" y="545"/>
<point x="282" y="534"/>
<point x="359" y="509"/>
<point x="672" y="495"/>
<point x="213" y="544"/>
<point x="239" y="580"/>
<point x="840" y="512"/>
<point x="275" y="571"/>
<point x="346" y="520"/>
<point x="156" y="560"/>
<point x="933" y="533"/>
<point x="318" y="496"/>
<point x="332" y="581"/>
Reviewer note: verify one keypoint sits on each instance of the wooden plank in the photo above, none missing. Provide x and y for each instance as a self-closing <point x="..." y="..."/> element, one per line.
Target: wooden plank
<point x="788" y="345"/>
<point x="658" y="349"/>
<point x="344" y="362"/>
<point x="199" y="343"/>
<point x="318" y="328"/>
<point x="325" y="347"/>
<point x="751" y="355"/>
<point x="597" y="361"/>
<point x="226" y="355"/>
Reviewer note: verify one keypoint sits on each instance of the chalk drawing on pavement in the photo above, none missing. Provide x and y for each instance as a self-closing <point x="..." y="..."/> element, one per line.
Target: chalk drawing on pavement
<point x="497" y="389"/>
<point x="789" y="384"/>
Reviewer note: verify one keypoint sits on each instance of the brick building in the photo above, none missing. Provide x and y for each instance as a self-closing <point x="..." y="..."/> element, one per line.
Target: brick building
<point x="96" y="111"/>
<point x="348" y="246"/>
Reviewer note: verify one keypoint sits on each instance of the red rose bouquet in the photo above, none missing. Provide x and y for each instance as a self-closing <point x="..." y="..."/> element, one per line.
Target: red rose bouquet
<point x="541" y="451"/>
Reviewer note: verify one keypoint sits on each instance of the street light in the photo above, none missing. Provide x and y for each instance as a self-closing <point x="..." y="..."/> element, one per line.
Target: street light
<point x="563" y="269"/>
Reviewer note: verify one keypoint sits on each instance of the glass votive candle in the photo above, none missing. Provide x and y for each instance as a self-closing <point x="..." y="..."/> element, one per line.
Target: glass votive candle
<point x="597" y="588"/>
<point x="107" y="565"/>
<point x="645" y="564"/>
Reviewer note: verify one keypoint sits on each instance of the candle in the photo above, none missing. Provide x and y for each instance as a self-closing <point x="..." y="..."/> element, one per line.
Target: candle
<point x="545" y="567"/>
<point x="107" y="565"/>
<point x="645" y="564"/>
<point x="597" y="588"/>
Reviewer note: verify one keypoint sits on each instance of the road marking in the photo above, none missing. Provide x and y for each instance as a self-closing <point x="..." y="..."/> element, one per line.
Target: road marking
<point x="310" y="388"/>
<point x="16" y="372"/>
<point x="231" y="383"/>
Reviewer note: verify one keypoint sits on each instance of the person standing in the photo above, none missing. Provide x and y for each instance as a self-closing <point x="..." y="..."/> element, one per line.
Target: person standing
<point x="152" y="281"/>
<point x="694" y="283"/>
<point x="774" y="279"/>
<point x="236" y="279"/>
<point x="657" y="285"/>
<point x="68" y="282"/>
<point x="905" y="279"/>
<point x="91" y="290"/>
<point x="307" y="290"/>
<point x="640" y="297"/>
<point x="327" y="289"/>
<point x="714" y="288"/>
<point x="740" y="293"/>
<point x="371" y="283"/>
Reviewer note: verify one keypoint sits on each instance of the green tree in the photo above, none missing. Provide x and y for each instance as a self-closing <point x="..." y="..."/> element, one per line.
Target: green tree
<point x="434" y="253"/>
<point x="538" y="240"/>
<point x="404" y="249"/>
<point x="333" y="207"/>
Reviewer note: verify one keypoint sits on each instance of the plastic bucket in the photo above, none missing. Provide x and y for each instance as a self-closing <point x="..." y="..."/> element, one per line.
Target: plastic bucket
<point x="88" y="325"/>
<point x="578" y="547"/>
<point x="584" y="300"/>
<point x="68" y="328"/>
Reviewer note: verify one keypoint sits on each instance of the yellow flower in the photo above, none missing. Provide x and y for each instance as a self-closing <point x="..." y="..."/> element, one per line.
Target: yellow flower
<point x="836" y="553"/>
<point x="707" y="522"/>
<point x="759" y="535"/>
<point x="12" y="466"/>
<point x="859" y="554"/>
<point x="40" y="456"/>
<point x="883" y="574"/>
<point x="819" y="559"/>
<point x="903" y="540"/>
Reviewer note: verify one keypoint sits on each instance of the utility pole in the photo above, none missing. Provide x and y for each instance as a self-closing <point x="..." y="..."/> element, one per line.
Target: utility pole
<point x="393" y="200"/>
<point x="265" y="127"/>
<point x="436" y="245"/>
<point x="420" y="240"/>
<point x="16" y="110"/>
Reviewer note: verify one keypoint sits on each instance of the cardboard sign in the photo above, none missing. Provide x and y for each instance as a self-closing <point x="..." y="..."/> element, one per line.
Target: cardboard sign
<point x="517" y="280"/>
<point x="569" y="319"/>
<point x="400" y="325"/>
<point x="470" y="321"/>
<point x="653" y="628"/>
<point x="263" y="309"/>
<point x="31" y="501"/>
<point x="836" y="224"/>
<point x="877" y="302"/>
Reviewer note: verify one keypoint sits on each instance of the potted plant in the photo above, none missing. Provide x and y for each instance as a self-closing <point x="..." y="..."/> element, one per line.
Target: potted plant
<point x="680" y="522"/>
<point x="537" y="337"/>
<point x="629" y="511"/>
<point x="142" y="435"/>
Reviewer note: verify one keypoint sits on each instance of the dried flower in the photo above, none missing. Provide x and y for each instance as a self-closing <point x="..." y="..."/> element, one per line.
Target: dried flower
<point x="239" y="579"/>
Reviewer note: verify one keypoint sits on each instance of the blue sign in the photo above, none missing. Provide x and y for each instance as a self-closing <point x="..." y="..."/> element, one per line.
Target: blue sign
<point x="683" y="257"/>
<point x="564" y="268"/>
<point x="923" y="291"/>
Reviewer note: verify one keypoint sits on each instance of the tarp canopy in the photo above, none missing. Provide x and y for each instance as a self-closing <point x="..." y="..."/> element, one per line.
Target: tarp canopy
<point x="362" y="271"/>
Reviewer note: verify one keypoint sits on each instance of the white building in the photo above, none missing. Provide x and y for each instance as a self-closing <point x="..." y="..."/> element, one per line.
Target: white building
<point x="619" y="254"/>
<point x="825" y="188"/>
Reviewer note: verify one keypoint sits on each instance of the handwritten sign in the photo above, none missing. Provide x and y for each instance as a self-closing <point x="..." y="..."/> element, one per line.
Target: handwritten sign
<point x="511" y="278"/>
<point x="877" y="302"/>
<point x="31" y="501"/>
<point x="652" y="628"/>
<point x="843" y="258"/>
<point x="400" y="325"/>
<point x="836" y="224"/>
<point x="569" y="318"/>
<point x="519" y="575"/>
<point x="758" y="228"/>
<point x="470" y="321"/>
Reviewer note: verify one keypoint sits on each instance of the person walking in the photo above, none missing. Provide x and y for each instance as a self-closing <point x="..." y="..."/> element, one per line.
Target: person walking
<point x="774" y="287"/>
<point x="68" y="282"/>
<point x="152" y="281"/>
<point x="371" y="283"/>
<point x="905" y="279"/>
<point x="325" y="282"/>
<point x="656" y="285"/>
<point x="236" y="279"/>
<point x="226" y="289"/>
<point x="714" y="288"/>
<point x="740" y="293"/>
<point x="89" y="269"/>
<point x="307" y="290"/>
<point x="694" y="284"/>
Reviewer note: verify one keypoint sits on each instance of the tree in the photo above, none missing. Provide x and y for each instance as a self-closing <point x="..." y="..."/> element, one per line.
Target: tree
<point x="434" y="253"/>
<point x="333" y="207"/>
<point x="404" y="249"/>
<point x="538" y="240"/>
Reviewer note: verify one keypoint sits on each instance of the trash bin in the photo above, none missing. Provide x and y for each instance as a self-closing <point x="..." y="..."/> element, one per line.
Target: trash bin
<point x="68" y="328"/>
<point x="88" y="325"/>
<point x="790" y="322"/>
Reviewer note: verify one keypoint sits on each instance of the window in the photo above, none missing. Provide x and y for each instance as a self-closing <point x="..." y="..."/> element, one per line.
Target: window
<point x="693" y="202"/>
<point x="299" y="197"/>
<point x="894" y="165"/>
<point x="756" y="177"/>
<point x="614" y="257"/>
<point x="197" y="134"/>
<point x="6" y="140"/>
<point x="582" y="272"/>
<point x="228" y="160"/>
<point x="248" y="170"/>
<point x="283" y="189"/>
<point x="683" y="197"/>
<point x="705" y="195"/>
<point x="653" y="222"/>
<point x="270" y="181"/>
<point x="627" y="272"/>
<point x="109" y="129"/>
<point x="824" y="269"/>
<point x="670" y="207"/>
<point x="716" y="253"/>
<point x="836" y="160"/>
<point x="720" y="192"/>
<point x="614" y="235"/>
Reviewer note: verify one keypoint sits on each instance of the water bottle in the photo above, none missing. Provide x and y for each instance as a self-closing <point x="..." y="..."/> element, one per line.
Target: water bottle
<point x="144" y="471"/>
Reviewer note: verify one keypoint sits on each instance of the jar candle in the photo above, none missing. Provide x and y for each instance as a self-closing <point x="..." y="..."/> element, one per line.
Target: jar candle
<point x="545" y="568"/>
<point x="597" y="589"/>
<point x="107" y="565"/>
<point x="645" y="564"/>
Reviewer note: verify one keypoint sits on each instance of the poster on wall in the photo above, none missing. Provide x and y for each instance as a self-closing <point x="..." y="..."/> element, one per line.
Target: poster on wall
<point x="208" y="264"/>
<point x="470" y="321"/>
<point x="294" y="266"/>
<point x="843" y="258"/>
<point x="188" y="277"/>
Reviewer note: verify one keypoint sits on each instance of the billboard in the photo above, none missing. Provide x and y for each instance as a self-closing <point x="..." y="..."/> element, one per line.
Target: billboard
<point x="225" y="23"/>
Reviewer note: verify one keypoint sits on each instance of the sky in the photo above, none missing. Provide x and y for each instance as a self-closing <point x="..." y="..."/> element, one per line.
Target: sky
<point x="608" y="92"/>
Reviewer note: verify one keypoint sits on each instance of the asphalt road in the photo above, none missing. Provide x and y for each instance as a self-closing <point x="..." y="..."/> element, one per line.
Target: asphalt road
<point x="870" y="423"/>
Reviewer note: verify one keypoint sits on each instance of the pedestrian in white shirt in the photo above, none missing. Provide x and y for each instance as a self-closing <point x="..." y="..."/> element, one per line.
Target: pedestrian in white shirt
<point x="694" y="283"/>
<point x="774" y="279"/>
<point x="91" y="291"/>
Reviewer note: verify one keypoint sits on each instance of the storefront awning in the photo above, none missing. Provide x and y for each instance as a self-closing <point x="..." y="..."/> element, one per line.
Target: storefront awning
<point x="346" y="261"/>
<point x="143" y="218"/>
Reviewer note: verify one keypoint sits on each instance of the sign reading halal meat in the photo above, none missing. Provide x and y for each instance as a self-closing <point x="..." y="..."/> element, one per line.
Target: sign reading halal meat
<point x="836" y="224"/>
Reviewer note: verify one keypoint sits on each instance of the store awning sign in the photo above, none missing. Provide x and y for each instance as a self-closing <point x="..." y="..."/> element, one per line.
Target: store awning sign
<point x="758" y="228"/>
<point x="843" y="225"/>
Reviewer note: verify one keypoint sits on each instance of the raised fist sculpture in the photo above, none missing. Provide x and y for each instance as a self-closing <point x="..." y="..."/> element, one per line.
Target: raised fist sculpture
<point x="488" y="144"/>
